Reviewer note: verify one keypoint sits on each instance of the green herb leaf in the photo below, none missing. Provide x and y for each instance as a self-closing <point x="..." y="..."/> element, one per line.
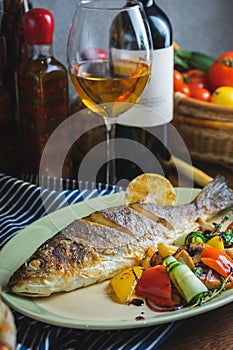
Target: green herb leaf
<point x="227" y="236"/>
<point x="198" y="271"/>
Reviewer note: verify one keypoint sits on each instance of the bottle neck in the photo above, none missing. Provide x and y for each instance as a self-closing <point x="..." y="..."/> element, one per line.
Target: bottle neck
<point x="35" y="51"/>
<point x="148" y="3"/>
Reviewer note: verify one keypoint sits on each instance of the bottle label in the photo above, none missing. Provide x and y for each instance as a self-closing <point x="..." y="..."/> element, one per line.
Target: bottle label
<point x="158" y="95"/>
<point x="155" y="106"/>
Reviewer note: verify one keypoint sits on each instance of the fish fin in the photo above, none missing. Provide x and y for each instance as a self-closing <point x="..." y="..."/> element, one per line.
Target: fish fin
<point x="215" y="196"/>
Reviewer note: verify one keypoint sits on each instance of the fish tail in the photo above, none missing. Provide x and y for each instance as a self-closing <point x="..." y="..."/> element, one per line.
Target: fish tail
<point x="215" y="196"/>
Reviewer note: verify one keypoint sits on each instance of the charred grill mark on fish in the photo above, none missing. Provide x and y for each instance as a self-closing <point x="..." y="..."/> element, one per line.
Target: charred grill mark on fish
<point x="152" y="216"/>
<point x="97" y="247"/>
<point x="129" y="221"/>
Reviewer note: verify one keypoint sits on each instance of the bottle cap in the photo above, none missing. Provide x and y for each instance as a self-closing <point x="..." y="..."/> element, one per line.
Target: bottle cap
<point x="38" y="26"/>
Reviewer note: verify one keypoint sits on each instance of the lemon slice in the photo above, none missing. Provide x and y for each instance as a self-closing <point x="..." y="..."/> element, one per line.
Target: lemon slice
<point x="150" y="188"/>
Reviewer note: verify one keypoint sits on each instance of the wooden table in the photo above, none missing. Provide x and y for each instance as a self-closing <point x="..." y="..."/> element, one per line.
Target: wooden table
<point x="212" y="330"/>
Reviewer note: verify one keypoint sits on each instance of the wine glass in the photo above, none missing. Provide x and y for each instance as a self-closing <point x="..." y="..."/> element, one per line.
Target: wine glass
<point x="109" y="60"/>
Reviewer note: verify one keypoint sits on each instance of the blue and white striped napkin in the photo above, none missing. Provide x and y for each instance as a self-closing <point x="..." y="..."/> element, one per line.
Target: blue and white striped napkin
<point x="20" y="205"/>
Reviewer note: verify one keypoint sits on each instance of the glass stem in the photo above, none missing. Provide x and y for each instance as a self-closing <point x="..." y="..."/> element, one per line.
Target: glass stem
<point x="111" y="161"/>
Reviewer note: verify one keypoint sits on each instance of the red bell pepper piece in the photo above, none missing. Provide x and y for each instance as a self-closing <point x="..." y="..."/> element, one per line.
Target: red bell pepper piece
<point x="229" y="226"/>
<point x="218" y="260"/>
<point x="155" y="284"/>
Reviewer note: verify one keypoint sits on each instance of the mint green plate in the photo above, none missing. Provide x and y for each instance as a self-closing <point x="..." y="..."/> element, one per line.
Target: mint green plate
<point x="91" y="307"/>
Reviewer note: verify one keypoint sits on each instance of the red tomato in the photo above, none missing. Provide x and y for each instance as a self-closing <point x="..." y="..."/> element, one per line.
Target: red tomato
<point x="185" y="89"/>
<point x="200" y="93"/>
<point x="178" y="80"/>
<point x="155" y="284"/>
<point x="221" y="71"/>
<point x="179" y="84"/>
<point x="197" y="77"/>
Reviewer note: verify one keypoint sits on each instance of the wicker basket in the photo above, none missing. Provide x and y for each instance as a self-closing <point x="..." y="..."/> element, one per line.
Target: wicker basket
<point x="206" y="128"/>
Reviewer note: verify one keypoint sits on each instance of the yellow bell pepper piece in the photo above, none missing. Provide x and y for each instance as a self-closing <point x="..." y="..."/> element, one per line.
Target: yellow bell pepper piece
<point x="216" y="242"/>
<point x="166" y="249"/>
<point x="146" y="261"/>
<point x="124" y="283"/>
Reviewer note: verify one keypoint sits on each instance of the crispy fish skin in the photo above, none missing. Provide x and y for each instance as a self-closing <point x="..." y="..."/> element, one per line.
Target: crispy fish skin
<point x="97" y="247"/>
<point x="66" y="261"/>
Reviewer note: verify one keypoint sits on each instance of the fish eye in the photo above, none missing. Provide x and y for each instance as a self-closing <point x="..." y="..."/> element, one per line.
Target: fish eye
<point x="35" y="264"/>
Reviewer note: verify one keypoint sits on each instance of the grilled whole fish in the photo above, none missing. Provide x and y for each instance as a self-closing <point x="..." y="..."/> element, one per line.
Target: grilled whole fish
<point x="97" y="247"/>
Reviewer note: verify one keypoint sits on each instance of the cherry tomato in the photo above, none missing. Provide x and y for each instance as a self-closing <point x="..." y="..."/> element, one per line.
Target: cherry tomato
<point x="223" y="96"/>
<point x="179" y="84"/>
<point x="178" y="80"/>
<point x="200" y="93"/>
<point x="185" y="89"/>
<point x="197" y="77"/>
<point x="221" y="71"/>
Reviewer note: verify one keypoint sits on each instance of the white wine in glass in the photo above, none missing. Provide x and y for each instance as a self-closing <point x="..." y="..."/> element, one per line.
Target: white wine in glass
<point x="109" y="81"/>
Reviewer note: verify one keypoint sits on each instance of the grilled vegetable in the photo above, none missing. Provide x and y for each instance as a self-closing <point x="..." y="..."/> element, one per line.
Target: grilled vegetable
<point x="195" y="237"/>
<point x="146" y="261"/>
<point x="123" y="284"/>
<point x="155" y="284"/>
<point x="187" y="283"/>
<point x="216" y="242"/>
<point x="183" y="256"/>
<point x="166" y="249"/>
<point x="217" y="260"/>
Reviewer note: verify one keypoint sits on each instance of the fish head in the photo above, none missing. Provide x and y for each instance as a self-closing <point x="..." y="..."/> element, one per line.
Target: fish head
<point x="51" y="267"/>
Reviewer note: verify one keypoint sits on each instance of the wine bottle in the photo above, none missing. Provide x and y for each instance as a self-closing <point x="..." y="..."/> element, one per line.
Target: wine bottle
<point x="159" y="92"/>
<point x="158" y="96"/>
